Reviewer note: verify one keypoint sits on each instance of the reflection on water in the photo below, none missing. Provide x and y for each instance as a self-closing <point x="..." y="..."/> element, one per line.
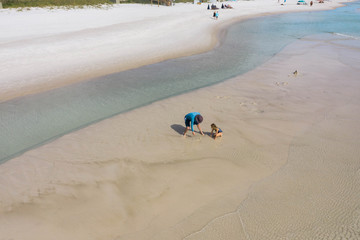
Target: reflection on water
<point x="30" y="121"/>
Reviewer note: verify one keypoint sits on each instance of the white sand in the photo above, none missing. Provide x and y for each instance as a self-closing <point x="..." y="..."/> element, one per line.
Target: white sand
<point x="41" y="48"/>
<point x="290" y="148"/>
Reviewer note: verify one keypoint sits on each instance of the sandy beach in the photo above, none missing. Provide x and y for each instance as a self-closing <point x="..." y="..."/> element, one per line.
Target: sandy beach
<point x="287" y="166"/>
<point x="75" y="45"/>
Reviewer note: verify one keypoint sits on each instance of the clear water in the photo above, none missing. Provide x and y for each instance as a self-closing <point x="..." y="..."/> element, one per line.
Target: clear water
<point x="30" y="121"/>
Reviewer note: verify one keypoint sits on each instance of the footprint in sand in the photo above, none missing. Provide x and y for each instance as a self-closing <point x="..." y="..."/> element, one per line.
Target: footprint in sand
<point x="222" y="97"/>
<point x="281" y="83"/>
<point x="251" y="107"/>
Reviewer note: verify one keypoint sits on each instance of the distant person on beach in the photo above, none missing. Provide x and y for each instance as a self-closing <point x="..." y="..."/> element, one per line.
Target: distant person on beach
<point x="215" y="131"/>
<point x="191" y="119"/>
<point x="214" y="15"/>
<point x="217" y="15"/>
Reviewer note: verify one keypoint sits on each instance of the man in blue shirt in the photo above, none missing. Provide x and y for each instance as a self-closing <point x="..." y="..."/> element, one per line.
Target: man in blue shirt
<point x="191" y="119"/>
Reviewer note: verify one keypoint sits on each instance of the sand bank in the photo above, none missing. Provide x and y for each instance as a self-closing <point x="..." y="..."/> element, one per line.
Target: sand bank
<point x="74" y="45"/>
<point x="287" y="166"/>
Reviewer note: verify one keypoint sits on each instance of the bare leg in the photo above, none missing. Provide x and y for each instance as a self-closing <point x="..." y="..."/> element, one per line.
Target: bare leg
<point x="186" y="129"/>
<point x="218" y="135"/>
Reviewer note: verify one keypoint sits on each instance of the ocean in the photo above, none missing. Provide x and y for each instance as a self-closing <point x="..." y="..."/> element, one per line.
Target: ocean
<point x="30" y="121"/>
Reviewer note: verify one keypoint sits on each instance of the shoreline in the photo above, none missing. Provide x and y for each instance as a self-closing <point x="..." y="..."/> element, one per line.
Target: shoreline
<point x="23" y="79"/>
<point x="42" y="105"/>
<point x="189" y="188"/>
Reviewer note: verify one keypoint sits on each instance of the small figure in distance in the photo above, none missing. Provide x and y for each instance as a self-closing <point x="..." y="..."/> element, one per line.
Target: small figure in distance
<point x="191" y="119"/>
<point x="215" y="131"/>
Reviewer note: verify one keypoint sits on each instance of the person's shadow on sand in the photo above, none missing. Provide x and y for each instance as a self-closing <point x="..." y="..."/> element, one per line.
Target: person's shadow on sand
<point x="207" y="133"/>
<point x="180" y="129"/>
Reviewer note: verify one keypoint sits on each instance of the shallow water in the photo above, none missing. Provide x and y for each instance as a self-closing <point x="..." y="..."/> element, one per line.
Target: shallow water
<point x="30" y="121"/>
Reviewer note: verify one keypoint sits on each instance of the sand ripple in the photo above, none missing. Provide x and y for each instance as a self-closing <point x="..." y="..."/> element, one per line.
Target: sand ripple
<point x="315" y="196"/>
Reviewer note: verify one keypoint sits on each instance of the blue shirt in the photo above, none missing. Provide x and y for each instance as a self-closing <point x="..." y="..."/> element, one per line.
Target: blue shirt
<point x="191" y="118"/>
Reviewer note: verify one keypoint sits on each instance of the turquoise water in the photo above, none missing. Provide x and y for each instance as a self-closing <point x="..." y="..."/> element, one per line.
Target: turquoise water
<point x="30" y="121"/>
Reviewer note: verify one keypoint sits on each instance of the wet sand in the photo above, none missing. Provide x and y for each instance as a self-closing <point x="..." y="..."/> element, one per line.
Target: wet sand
<point x="287" y="165"/>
